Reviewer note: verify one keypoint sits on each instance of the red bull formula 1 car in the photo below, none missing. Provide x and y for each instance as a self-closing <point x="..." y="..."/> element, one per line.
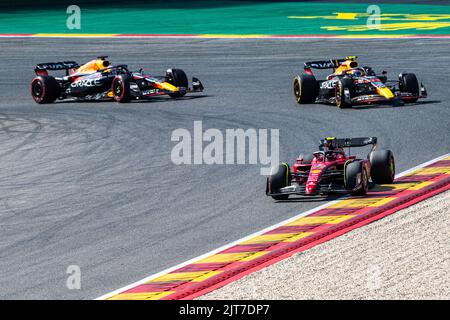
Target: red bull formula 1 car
<point x="350" y="84"/>
<point x="98" y="80"/>
<point x="332" y="170"/>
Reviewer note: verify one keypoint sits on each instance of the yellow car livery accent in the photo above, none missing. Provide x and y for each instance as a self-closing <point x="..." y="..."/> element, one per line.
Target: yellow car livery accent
<point x="385" y="92"/>
<point x="166" y="86"/>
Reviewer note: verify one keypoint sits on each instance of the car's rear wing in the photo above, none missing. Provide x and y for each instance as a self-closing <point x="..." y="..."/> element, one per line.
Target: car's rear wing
<point x="42" y="68"/>
<point x="326" y="64"/>
<point x="348" y="142"/>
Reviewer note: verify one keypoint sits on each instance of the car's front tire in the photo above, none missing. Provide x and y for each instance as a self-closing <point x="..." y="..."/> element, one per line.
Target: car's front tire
<point x="279" y="178"/>
<point x="352" y="171"/>
<point x="45" y="89"/>
<point x="341" y="86"/>
<point x="178" y="78"/>
<point x="408" y="83"/>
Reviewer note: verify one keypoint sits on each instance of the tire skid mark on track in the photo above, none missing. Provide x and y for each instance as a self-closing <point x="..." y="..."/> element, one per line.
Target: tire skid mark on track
<point x="32" y="129"/>
<point x="210" y="272"/>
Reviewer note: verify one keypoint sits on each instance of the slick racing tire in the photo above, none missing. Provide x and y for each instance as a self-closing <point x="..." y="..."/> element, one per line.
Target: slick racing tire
<point x="178" y="78"/>
<point x="306" y="89"/>
<point x="408" y="83"/>
<point x="382" y="164"/>
<point x="341" y="85"/>
<point x="45" y="89"/>
<point x="279" y="179"/>
<point x="352" y="170"/>
<point x="121" y="88"/>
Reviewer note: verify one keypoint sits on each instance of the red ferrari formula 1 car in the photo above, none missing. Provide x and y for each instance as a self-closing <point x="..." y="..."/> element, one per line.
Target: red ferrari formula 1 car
<point x="350" y="84"/>
<point x="99" y="80"/>
<point x="332" y="170"/>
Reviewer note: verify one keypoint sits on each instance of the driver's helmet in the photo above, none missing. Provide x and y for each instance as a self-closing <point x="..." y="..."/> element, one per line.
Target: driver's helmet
<point x="330" y="143"/>
<point x="356" y="72"/>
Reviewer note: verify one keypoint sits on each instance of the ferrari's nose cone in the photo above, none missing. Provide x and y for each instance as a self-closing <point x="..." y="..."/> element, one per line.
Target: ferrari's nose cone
<point x="310" y="187"/>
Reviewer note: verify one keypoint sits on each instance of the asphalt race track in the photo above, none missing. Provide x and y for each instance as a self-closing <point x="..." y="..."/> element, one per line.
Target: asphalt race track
<point x="93" y="185"/>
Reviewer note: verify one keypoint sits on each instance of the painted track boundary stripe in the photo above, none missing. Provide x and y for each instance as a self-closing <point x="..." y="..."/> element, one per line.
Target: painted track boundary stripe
<point x="314" y="243"/>
<point x="212" y="252"/>
<point x="376" y="214"/>
<point x="228" y="36"/>
<point x="227" y="246"/>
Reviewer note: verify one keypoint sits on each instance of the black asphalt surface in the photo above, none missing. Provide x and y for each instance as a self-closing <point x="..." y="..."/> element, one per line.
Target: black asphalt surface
<point x="93" y="185"/>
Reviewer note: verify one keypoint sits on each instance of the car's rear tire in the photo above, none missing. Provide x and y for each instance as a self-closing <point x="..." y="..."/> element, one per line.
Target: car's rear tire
<point x="408" y="83"/>
<point x="341" y="85"/>
<point x="178" y="78"/>
<point x="306" y="88"/>
<point x="382" y="166"/>
<point x="352" y="170"/>
<point x="45" y="89"/>
<point x="121" y="88"/>
<point x="279" y="179"/>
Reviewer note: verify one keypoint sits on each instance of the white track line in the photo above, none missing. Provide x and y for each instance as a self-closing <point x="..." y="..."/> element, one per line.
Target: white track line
<point x="229" y="245"/>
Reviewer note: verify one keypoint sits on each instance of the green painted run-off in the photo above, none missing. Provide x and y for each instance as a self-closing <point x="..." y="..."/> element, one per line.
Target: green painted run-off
<point x="232" y="17"/>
